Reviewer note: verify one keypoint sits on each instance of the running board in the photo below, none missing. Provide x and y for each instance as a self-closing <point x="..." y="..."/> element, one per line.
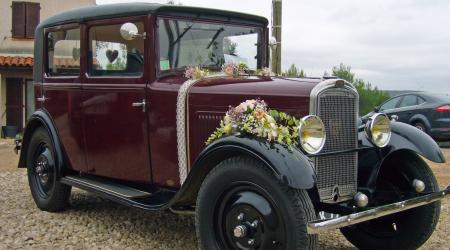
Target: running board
<point x="120" y="193"/>
<point x="106" y="186"/>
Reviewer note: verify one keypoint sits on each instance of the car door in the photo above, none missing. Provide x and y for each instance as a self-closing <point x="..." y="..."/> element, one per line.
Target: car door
<point x="61" y="93"/>
<point x="407" y="108"/>
<point x="114" y="102"/>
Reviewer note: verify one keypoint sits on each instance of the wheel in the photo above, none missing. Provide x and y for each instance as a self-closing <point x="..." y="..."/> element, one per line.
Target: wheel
<point x="405" y="230"/>
<point x="48" y="193"/>
<point x="241" y="205"/>
<point x="420" y="126"/>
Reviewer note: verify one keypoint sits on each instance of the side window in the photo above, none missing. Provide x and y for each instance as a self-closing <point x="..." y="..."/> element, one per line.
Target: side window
<point x="111" y="55"/>
<point x="63" y="53"/>
<point x="409" y="100"/>
<point x="420" y="100"/>
<point x="390" y="104"/>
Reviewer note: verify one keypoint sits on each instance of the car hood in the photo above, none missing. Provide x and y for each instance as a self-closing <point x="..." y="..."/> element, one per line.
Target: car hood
<point x="290" y="95"/>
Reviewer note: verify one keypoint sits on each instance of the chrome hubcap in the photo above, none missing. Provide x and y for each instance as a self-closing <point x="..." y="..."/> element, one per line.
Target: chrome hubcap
<point x="240" y="231"/>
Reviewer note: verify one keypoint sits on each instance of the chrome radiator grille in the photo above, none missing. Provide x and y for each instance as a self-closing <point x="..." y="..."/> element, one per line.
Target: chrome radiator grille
<point x="337" y="174"/>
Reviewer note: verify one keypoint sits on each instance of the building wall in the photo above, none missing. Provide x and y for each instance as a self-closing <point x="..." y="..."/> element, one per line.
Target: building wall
<point x="24" y="47"/>
<point x="2" y="100"/>
<point x="49" y="8"/>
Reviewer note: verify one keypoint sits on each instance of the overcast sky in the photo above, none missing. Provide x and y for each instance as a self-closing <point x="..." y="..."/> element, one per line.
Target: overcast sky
<point x="394" y="44"/>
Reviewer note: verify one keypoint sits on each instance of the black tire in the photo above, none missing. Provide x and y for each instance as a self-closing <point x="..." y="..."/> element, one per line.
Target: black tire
<point x="217" y="206"/>
<point x="412" y="227"/>
<point x="48" y="193"/>
<point x="420" y="126"/>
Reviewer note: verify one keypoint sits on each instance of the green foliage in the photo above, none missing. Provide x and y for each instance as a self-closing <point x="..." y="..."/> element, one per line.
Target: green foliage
<point x="119" y="64"/>
<point x="369" y="96"/>
<point x="293" y="71"/>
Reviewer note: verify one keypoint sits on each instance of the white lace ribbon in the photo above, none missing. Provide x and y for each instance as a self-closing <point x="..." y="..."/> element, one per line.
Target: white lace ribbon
<point x="182" y="146"/>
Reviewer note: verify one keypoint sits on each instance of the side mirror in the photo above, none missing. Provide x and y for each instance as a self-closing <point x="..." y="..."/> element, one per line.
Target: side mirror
<point x="376" y="109"/>
<point x="273" y="43"/>
<point x="129" y="31"/>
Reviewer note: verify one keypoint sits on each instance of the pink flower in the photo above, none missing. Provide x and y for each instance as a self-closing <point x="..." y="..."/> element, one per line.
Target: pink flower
<point x="230" y="69"/>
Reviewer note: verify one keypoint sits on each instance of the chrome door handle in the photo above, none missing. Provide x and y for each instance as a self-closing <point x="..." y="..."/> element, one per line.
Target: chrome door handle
<point x="41" y="99"/>
<point x="142" y="104"/>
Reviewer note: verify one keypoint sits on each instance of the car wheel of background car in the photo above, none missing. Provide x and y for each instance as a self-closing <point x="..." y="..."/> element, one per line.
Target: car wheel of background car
<point x="241" y="205"/>
<point x="405" y="230"/>
<point x="48" y="193"/>
<point x="420" y="126"/>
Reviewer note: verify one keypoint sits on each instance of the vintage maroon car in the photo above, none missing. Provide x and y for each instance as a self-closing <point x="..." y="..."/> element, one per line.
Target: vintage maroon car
<point x="117" y="117"/>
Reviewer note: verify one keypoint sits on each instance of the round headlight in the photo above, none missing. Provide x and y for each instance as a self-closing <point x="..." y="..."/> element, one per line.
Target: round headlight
<point x="378" y="129"/>
<point x="312" y="134"/>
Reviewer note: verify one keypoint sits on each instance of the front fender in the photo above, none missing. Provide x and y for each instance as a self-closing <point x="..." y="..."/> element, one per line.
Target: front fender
<point x="405" y="136"/>
<point x="290" y="166"/>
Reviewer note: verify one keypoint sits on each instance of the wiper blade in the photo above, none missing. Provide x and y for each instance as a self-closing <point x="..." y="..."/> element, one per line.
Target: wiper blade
<point x="181" y="35"/>
<point x="215" y="37"/>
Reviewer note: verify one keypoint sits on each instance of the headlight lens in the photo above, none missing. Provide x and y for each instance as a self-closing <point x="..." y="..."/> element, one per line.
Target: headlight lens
<point x="312" y="134"/>
<point x="378" y="129"/>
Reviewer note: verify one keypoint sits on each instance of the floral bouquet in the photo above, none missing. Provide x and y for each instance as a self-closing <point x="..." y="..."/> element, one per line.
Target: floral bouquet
<point x="235" y="70"/>
<point x="195" y="72"/>
<point x="253" y="117"/>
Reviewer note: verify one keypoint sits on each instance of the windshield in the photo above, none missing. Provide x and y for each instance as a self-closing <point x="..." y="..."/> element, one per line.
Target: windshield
<point x="184" y="43"/>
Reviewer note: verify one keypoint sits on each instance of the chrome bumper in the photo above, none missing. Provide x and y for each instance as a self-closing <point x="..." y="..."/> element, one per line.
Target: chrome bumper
<point x="315" y="227"/>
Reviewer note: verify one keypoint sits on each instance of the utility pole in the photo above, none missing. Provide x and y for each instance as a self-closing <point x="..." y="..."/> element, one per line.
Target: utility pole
<point x="276" y="32"/>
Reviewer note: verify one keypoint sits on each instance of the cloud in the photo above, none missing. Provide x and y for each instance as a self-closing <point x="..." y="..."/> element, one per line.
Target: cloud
<point x="402" y="44"/>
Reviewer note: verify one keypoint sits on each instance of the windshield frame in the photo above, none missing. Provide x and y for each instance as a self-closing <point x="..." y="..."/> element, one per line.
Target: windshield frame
<point x="262" y="30"/>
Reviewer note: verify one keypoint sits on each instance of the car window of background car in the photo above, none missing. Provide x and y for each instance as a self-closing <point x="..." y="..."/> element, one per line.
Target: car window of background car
<point x="420" y="100"/>
<point x="183" y="43"/>
<point x="408" y="100"/>
<point x="390" y="104"/>
<point x="63" y="53"/>
<point x="111" y="55"/>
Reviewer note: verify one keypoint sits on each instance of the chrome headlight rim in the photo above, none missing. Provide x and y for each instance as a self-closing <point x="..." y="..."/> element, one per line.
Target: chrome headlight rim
<point x="301" y="127"/>
<point x="371" y="122"/>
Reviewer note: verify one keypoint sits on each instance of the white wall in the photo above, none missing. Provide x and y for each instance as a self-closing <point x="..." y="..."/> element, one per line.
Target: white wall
<point x="48" y="8"/>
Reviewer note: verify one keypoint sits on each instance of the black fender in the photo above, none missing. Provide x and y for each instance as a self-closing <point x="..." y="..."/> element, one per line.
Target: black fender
<point x="404" y="137"/>
<point x="290" y="166"/>
<point x="41" y="118"/>
<point x="420" y="118"/>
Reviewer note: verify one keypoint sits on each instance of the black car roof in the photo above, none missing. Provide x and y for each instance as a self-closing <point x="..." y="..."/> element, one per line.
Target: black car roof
<point x="134" y="9"/>
<point x="107" y="11"/>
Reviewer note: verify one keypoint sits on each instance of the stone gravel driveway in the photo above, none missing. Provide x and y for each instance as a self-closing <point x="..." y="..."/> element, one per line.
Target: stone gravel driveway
<point x="95" y="223"/>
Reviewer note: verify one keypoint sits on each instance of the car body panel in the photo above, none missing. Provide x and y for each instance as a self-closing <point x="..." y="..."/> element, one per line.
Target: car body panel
<point x="437" y="124"/>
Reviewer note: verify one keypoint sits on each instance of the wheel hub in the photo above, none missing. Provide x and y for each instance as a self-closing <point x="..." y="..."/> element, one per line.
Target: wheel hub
<point x="250" y="222"/>
<point x="240" y="231"/>
<point x="42" y="168"/>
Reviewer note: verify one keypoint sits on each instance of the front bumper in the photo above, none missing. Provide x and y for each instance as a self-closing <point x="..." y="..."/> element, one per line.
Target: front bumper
<point x="318" y="226"/>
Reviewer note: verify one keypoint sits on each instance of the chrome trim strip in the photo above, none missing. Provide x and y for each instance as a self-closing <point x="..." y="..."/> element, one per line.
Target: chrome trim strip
<point x="315" y="227"/>
<point x="323" y="85"/>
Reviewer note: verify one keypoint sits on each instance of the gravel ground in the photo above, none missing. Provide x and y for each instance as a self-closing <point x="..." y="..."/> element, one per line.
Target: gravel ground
<point x="96" y="223"/>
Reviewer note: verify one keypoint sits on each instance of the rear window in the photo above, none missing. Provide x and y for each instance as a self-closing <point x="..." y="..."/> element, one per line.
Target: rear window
<point x="111" y="55"/>
<point x="63" y="53"/>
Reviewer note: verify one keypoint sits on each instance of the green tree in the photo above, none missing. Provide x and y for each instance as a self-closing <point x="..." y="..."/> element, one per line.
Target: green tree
<point x="293" y="71"/>
<point x="369" y="96"/>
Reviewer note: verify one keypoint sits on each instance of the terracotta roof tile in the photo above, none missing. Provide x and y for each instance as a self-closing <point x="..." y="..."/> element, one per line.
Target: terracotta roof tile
<point x="16" y="61"/>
